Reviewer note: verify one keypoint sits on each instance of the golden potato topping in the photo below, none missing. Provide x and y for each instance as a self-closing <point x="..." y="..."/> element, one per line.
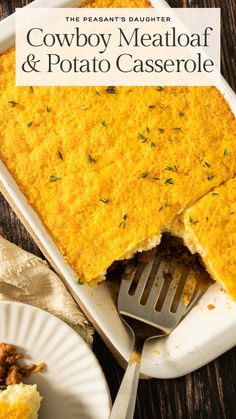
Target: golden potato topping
<point x="108" y="168"/>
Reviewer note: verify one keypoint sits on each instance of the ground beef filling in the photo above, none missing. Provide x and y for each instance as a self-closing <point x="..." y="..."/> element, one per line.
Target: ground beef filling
<point x="10" y="370"/>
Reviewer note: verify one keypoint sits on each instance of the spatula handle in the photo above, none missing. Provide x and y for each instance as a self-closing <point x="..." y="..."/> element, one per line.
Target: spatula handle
<point x="124" y="404"/>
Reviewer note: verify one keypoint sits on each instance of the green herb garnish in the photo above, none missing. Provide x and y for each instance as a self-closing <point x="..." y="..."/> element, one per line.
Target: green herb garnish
<point x="144" y="175"/>
<point x="123" y="222"/>
<point x="91" y="159"/>
<point x="60" y="155"/>
<point x="142" y="138"/>
<point x="214" y="194"/>
<point x="103" y="122"/>
<point x="169" y="181"/>
<point x="171" y="168"/>
<point x="206" y="164"/>
<point x="226" y="152"/>
<point x="31" y="89"/>
<point x="48" y="109"/>
<point x="161" y="130"/>
<point x="105" y="200"/>
<point x="13" y="103"/>
<point x="148" y="130"/>
<point x="29" y="123"/>
<point x="209" y="176"/>
<point x="54" y="178"/>
<point x="152" y="144"/>
<point x="177" y="129"/>
<point x="155" y="178"/>
<point x="111" y="89"/>
<point x="159" y="88"/>
<point x="164" y="205"/>
<point x="152" y="106"/>
<point x="191" y="221"/>
<point x="164" y="106"/>
<point x="181" y="114"/>
<point x="79" y="282"/>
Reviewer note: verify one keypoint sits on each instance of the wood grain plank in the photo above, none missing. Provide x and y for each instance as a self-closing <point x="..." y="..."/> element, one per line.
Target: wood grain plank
<point x="228" y="33"/>
<point x="5" y="9"/>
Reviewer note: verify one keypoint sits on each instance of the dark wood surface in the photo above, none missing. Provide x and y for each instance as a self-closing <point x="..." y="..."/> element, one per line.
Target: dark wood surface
<point x="211" y="391"/>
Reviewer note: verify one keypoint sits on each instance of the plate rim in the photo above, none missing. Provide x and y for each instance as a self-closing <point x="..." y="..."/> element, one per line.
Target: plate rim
<point x="89" y="351"/>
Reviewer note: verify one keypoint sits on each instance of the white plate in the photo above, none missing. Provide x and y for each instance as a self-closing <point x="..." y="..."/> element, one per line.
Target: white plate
<point x="73" y="385"/>
<point x="202" y="336"/>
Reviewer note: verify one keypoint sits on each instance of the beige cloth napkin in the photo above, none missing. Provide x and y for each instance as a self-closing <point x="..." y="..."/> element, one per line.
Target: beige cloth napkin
<point x="27" y="278"/>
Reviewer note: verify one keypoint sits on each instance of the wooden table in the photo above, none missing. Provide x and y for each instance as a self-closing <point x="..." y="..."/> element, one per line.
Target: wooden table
<point x="211" y="391"/>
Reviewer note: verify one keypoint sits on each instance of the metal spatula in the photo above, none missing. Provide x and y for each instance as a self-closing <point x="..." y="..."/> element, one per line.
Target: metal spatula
<point x="153" y="298"/>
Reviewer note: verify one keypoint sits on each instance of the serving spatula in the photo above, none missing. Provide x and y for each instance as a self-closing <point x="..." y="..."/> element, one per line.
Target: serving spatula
<point x="153" y="298"/>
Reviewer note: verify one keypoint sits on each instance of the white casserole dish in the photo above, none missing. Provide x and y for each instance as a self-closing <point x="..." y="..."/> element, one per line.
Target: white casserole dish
<point x="201" y="337"/>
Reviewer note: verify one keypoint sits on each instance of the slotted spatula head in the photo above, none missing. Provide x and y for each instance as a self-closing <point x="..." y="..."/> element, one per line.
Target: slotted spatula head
<point x="159" y="293"/>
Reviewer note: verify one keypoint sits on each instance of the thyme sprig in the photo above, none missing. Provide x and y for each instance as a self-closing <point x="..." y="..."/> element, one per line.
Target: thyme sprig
<point x="123" y="222"/>
<point x="226" y="152"/>
<point x="13" y="103"/>
<point x="171" y="168"/>
<point x="105" y="200"/>
<point x="166" y="204"/>
<point x="159" y="88"/>
<point x="169" y="181"/>
<point x="142" y="138"/>
<point x="54" y="178"/>
<point x="79" y="282"/>
<point x="91" y="159"/>
<point x="177" y="129"/>
<point x="111" y="90"/>
<point x="209" y="176"/>
<point x="60" y="155"/>
<point x="144" y="175"/>
<point x="181" y="114"/>
<point x="29" y="124"/>
<point x="192" y="221"/>
<point x="164" y="106"/>
<point x="103" y="122"/>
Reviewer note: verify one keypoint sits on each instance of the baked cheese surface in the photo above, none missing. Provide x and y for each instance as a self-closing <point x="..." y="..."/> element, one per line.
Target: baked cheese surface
<point x="107" y="169"/>
<point x="210" y="230"/>
<point x="20" y="401"/>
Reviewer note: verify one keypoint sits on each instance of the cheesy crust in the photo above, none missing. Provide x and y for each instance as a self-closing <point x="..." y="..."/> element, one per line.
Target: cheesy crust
<point x="20" y="401"/>
<point x="106" y="172"/>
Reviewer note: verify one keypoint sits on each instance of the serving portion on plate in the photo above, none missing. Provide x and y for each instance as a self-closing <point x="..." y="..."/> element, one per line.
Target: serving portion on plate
<point x="108" y="170"/>
<point x="17" y="400"/>
<point x="72" y="384"/>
